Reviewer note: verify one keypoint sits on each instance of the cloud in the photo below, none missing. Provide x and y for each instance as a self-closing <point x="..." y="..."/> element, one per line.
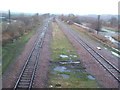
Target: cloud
<point x="62" y="6"/>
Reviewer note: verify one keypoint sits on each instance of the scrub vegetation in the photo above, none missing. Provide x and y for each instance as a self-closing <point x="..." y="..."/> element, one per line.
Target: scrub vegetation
<point x="10" y="51"/>
<point x="16" y="33"/>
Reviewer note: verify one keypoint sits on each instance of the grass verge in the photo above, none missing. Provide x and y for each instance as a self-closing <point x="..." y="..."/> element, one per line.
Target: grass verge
<point x="11" y="50"/>
<point x="77" y="79"/>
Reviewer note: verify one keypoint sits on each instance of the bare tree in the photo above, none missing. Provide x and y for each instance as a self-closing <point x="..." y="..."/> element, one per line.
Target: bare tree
<point x="113" y="22"/>
<point x="96" y="24"/>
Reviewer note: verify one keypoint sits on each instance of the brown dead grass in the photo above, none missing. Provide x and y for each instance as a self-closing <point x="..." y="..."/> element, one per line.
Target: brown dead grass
<point x="6" y="37"/>
<point x="116" y="38"/>
<point x="9" y="36"/>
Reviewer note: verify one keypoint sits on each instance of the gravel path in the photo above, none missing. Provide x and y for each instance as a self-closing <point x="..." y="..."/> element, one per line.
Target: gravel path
<point x="94" y="68"/>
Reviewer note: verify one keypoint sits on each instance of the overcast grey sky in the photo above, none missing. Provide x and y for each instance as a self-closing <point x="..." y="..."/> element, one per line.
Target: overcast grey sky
<point x="62" y="6"/>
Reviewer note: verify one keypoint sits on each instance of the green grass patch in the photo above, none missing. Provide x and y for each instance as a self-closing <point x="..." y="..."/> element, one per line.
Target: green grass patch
<point x="60" y="45"/>
<point x="11" y="50"/>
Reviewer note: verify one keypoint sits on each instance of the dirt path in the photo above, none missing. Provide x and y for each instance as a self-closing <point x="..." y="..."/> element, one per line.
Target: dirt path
<point x="104" y="78"/>
<point x="10" y="77"/>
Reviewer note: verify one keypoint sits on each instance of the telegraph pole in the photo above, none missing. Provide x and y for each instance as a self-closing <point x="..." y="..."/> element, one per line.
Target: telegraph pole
<point x="98" y="28"/>
<point x="9" y="16"/>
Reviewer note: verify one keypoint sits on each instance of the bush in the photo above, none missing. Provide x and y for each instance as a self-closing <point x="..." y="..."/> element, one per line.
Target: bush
<point x="18" y="27"/>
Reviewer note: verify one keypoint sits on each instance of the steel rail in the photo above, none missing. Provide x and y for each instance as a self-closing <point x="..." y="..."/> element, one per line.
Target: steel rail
<point x="102" y="63"/>
<point x="100" y="55"/>
<point x="38" y="44"/>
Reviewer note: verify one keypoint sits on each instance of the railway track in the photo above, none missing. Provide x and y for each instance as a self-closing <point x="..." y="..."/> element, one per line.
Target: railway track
<point x="27" y="75"/>
<point x="97" y="38"/>
<point x="113" y="70"/>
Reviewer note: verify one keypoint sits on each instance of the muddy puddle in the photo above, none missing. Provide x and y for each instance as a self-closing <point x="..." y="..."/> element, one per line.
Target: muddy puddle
<point x="69" y="62"/>
<point x="70" y="69"/>
<point x="67" y="56"/>
<point x="61" y="69"/>
<point x="70" y="66"/>
<point x="65" y="76"/>
<point x="73" y="55"/>
<point x="66" y="70"/>
<point x="108" y="34"/>
<point x="91" y="77"/>
<point x="63" y="56"/>
<point x="115" y="54"/>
